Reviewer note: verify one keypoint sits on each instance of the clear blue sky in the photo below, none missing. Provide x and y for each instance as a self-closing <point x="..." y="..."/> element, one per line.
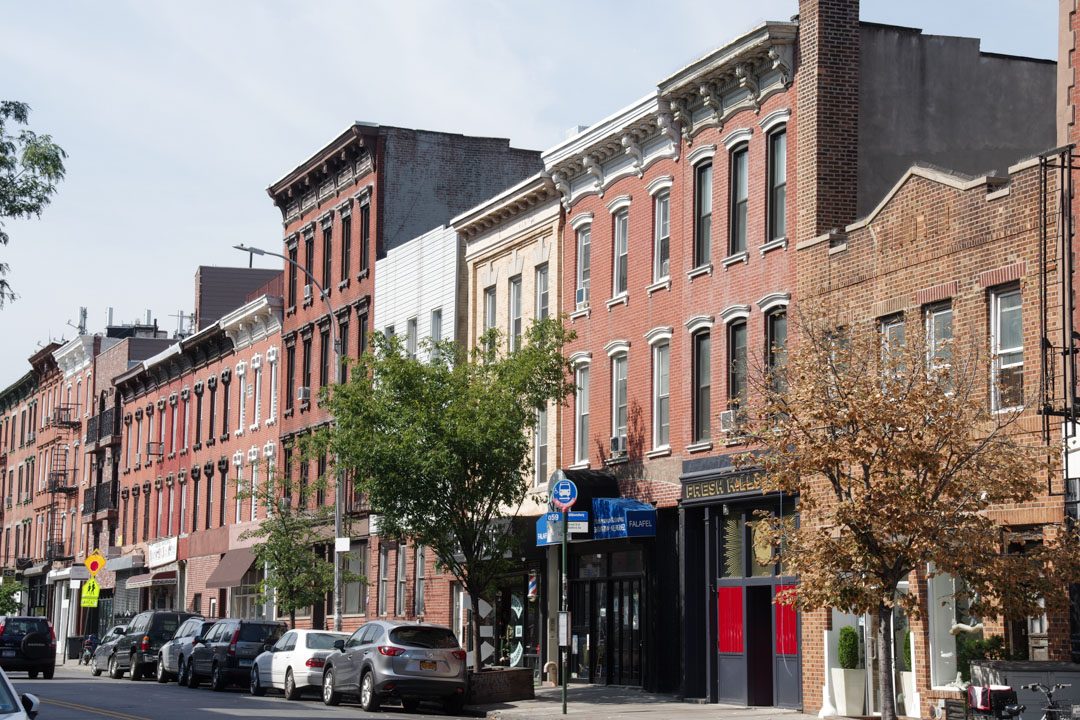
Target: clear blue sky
<point x="177" y="115"/>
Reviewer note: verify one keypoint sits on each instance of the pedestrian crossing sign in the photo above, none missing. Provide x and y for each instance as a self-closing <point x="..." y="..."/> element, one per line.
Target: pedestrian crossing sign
<point x="90" y="593"/>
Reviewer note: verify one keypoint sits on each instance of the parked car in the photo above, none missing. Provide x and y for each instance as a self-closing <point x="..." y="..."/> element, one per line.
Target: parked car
<point x="408" y="661"/>
<point x="294" y="663"/>
<point x="137" y="650"/>
<point x="173" y="655"/>
<point x="27" y="643"/>
<point x="226" y="653"/>
<point x="99" y="662"/>
<point x="14" y="706"/>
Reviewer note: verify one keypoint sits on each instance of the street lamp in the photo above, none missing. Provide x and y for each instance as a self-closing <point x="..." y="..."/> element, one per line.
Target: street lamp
<point x="339" y="498"/>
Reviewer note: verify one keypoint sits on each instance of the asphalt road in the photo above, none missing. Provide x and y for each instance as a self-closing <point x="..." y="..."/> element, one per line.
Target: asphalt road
<point x="73" y="694"/>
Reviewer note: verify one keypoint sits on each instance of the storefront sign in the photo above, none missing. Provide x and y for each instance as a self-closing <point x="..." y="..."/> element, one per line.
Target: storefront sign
<point x="733" y="484"/>
<point x="622" y="517"/>
<point x="161" y="552"/>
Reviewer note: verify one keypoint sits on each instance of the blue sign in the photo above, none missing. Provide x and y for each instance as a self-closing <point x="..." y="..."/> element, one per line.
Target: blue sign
<point x="549" y="526"/>
<point x="622" y="518"/>
<point x="564" y="494"/>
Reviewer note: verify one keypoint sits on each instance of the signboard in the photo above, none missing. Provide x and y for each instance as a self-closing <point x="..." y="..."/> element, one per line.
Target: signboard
<point x="578" y="521"/>
<point x="95" y="563"/>
<point x="160" y="552"/>
<point x="564" y="494"/>
<point x="733" y="484"/>
<point x="90" y="593"/>
<point x="549" y="529"/>
<point x="621" y="518"/>
<point x="564" y="628"/>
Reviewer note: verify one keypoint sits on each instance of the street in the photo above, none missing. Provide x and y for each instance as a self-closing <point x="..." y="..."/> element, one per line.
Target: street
<point x="73" y="694"/>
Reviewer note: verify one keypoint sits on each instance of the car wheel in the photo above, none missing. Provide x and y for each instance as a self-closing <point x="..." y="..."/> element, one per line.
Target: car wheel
<point x="410" y="704"/>
<point x="291" y="691"/>
<point x="453" y="705"/>
<point x="255" y="686"/>
<point x="94" y="669"/>
<point x="115" y="672"/>
<point x="329" y="695"/>
<point x="217" y="678"/>
<point x="48" y="672"/>
<point x="192" y="678"/>
<point x="159" y="672"/>
<point x="136" y="671"/>
<point x="368" y="699"/>
<point x="33" y="674"/>
<point x="181" y="672"/>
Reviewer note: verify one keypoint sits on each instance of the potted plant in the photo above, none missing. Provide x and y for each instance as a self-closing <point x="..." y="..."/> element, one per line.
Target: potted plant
<point x="849" y="680"/>
<point x="907" y="677"/>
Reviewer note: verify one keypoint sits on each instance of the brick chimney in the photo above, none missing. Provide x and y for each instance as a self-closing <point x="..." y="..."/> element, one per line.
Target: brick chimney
<point x="827" y="86"/>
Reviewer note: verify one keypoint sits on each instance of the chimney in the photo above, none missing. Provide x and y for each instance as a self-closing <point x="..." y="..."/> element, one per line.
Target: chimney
<point x="827" y="87"/>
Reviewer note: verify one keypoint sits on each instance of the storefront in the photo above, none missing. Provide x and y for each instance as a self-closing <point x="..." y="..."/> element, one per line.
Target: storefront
<point x="236" y="574"/>
<point x="740" y="646"/>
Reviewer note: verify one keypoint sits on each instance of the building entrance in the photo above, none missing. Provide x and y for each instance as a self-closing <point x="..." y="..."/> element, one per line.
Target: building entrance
<point x="607" y="615"/>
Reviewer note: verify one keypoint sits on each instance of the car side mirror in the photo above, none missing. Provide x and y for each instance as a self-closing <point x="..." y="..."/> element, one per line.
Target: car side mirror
<point x="30" y="704"/>
<point x="197" y="641"/>
<point x="339" y="645"/>
<point x="267" y="647"/>
<point x="121" y="631"/>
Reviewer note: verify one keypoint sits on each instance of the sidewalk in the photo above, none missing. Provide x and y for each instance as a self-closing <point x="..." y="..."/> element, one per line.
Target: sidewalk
<point x="611" y="703"/>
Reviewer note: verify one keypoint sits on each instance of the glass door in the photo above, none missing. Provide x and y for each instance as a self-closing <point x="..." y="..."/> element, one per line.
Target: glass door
<point x="580" y="596"/>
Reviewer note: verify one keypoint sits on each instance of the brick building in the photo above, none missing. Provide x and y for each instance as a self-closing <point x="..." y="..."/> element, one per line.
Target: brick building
<point x="370" y="190"/>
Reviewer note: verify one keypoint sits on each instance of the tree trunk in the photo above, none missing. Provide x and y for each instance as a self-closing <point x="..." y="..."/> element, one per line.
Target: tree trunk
<point x="474" y="628"/>
<point x="885" y="664"/>
<point x="292" y="618"/>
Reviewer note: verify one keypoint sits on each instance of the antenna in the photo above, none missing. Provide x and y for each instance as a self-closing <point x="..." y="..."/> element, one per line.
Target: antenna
<point x="183" y="323"/>
<point x="81" y="327"/>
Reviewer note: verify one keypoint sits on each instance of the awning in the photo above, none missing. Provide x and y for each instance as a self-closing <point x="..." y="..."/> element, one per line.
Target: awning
<point x="35" y="569"/>
<point x="621" y="518"/>
<point x="154" y="579"/>
<point x="126" y="562"/>
<point x="230" y="571"/>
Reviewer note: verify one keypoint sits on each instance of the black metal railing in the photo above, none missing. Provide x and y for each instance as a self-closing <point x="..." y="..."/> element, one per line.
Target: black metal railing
<point x="103" y="426"/>
<point x="98" y="498"/>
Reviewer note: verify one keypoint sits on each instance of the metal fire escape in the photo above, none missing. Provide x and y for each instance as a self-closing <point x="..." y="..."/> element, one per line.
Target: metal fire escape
<point x="62" y="481"/>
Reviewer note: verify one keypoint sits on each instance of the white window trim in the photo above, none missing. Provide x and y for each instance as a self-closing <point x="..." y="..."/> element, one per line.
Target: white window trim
<point x="698" y="323"/>
<point x="772" y="301"/>
<point x="621" y="214"/>
<point x="737" y="137"/>
<point x="774" y="120"/>
<point x="619" y="204"/>
<point x="581" y="221"/>
<point x="660" y="184"/>
<point x="734" y="312"/>
<point x="700" y="153"/>
<point x="658" y="335"/>
<point x="581" y="445"/>
<point x="660" y="343"/>
<point x="659" y="277"/>
<point x="617" y="347"/>
<point x="996" y="351"/>
<point x="624" y="357"/>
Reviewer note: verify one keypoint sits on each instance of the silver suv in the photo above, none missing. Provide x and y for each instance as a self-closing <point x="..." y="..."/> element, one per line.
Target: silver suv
<point x="408" y="661"/>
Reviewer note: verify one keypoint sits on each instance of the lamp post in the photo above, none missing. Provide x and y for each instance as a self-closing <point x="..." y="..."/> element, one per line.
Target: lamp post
<point x="339" y="498"/>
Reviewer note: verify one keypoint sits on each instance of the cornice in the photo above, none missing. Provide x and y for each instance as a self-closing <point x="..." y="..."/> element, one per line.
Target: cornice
<point x="530" y="194"/>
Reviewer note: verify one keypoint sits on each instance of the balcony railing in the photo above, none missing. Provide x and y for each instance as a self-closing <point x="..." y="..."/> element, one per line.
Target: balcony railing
<point x="98" y="498"/>
<point x="103" y="426"/>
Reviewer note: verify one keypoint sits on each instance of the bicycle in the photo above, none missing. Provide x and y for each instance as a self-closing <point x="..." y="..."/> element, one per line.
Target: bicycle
<point x="1052" y="710"/>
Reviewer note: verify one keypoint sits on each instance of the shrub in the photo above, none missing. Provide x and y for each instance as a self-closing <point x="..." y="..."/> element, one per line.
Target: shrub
<point x="848" y="648"/>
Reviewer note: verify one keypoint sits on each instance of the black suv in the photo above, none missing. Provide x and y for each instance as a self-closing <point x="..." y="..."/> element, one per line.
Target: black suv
<point x="27" y="643"/>
<point x="137" y="650"/>
<point x="225" y="653"/>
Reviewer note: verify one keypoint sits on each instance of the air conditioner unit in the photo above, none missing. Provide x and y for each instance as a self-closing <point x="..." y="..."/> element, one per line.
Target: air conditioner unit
<point x="729" y="421"/>
<point x="618" y="445"/>
<point x="582" y="296"/>
<point x="307" y="292"/>
<point x="303" y="394"/>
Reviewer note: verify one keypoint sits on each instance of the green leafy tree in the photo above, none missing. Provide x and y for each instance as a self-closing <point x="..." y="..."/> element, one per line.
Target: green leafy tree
<point x="9" y="604"/>
<point x="440" y="446"/>
<point x="31" y="165"/>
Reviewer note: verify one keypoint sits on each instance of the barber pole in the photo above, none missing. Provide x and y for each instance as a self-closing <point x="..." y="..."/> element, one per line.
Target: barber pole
<point x="534" y="586"/>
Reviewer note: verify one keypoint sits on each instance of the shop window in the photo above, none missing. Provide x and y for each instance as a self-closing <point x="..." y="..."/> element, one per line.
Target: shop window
<point x="948" y="611"/>
<point x="729" y="603"/>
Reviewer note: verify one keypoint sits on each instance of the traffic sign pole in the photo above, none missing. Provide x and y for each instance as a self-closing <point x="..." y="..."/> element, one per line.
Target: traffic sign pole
<point x="566" y="649"/>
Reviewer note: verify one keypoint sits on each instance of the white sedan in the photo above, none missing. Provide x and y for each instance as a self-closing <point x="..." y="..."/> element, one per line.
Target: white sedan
<point x="294" y="663"/>
<point x="14" y="706"/>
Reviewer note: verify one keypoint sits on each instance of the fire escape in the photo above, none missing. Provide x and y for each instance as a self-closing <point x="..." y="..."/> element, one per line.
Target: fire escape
<point x="62" y="481"/>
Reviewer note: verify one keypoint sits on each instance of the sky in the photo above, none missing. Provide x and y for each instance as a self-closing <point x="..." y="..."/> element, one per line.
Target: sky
<point x="177" y="115"/>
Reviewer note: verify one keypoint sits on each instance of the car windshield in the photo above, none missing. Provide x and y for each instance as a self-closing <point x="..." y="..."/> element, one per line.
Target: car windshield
<point x="424" y="637"/>
<point x="8" y="702"/>
<point x="259" y="632"/>
<point x="22" y="626"/>
<point x="168" y="627"/>
<point x="206" y="627"/>
<point x="324" y="641"/>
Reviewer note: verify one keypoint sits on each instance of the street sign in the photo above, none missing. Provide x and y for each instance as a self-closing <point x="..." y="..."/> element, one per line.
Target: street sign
<point x="95" y="563"/>
<point x="577" y="521"/>
<point x="90" y="593"/>
<point x="564" y="494"/>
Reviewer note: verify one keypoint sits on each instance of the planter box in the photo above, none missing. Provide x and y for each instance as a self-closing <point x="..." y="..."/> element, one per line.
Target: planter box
<point x="849" y="691"/>
<point x="496" y="685"/>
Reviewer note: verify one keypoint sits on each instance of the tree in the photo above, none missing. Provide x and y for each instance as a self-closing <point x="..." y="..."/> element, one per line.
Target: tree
<point x="290" y="535"/>
<point x="440" y="446"/>
<point x="9" y="604"/>
<point x="895" y="456"/>
<point x="31" y="165"/>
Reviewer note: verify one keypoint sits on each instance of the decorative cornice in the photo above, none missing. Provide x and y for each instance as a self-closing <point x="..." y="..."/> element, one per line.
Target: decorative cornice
<point x="617" y="347"/>
<point x="658" y="334"/>
<point x="659" y="184"/>
<point x="738" y="137"/>
<point x="774" y="300"/>
<point x="735" y="312"/>
<point x="530" y="194"/>
<point x="774" y="119"/>
<point x="580" y="220"/>
<point x="698" y="323"/>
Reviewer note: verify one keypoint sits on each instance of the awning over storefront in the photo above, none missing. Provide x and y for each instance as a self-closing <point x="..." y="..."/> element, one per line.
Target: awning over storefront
<point x="622" y="518"/>
<point x="154" y="579"/>
<point x="35" y="569"/>
<point x="125" y="562"/>
<point x="230" y="571"/>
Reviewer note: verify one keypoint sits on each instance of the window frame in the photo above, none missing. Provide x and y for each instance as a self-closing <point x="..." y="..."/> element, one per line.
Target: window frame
<point x="581" y="413"/>
<point x="997" y="351"/>
<point x="620" y="361"/>
<point x="620" y="253"/>
<point x="736" y="353"/>
<point x="702" y="255"/>
<point x="583" y="266"/>
<point x="543" y="298"/>
<point x="738" y="198"/>
<point x="661" y="236"/>
<point x="775" y="188"/>
<point x="661" y="434"/>
<point x="701" y="382"/>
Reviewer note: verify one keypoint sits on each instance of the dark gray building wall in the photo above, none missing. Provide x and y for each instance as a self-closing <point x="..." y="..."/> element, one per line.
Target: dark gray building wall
<point x="938" y="100"/>
<point x="220" y="290"/>
<point x="430" y="177"/>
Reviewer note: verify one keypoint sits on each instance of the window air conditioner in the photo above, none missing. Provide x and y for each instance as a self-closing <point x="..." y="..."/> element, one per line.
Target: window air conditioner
<point x="729" y="421"/>
<point x="618" y="445"/>
<point x="307" y="292"/>
<point x="303" y="394"/>
<point x="582" y="296"/>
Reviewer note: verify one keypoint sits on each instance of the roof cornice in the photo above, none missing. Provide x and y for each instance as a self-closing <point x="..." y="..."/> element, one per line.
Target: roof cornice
<point x="521" y="198"/>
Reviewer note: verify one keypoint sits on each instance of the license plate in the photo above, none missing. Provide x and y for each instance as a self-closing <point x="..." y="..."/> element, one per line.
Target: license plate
<point x="428" y="665"/>
<point x="245" y="663"/>
<point x="7" y="653"/>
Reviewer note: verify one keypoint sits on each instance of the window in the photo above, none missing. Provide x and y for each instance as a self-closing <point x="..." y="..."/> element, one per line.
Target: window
<point x="1007" y="346"/>
<point x="302" y="489"/>
<point x="241" y="412"/>
<point x="410" y="338"/>
<point x="399" y="594"/>
<point x="183" y="510"/>
<point x="389" y="332"/>
<point x="739" y="197"/>
<point x="346" y="245"/>
<point x="777" y="200"/>
<point x="776" y="347"/>
<point x="174" y="412"/>
<point x="661" y="236"/>
<point x="949" y="605"/>
<point x="327" y="255"/>
<point x="540" y="446"/>
<point x="355" y="562"/>
<point x="325" y="351"/>
<point x="343" y="338"/>
<point x="939" y="336"/>
<point x="736" y="364"/>
<point x="542" y="310"/>
<point x="292" y="276"/>
<point x="436" y="331"/>
<point x="384" y="560"/>
<point x="515" y="313"/>
<point x="212" y="419"/>
<point x="661" y="395"/>
<point x="306" y="369"/>
<point x="702" y="378"/>
<point x="362" y="334"/>
<point x="618" y="396"/>
<point x="584" y="242"/>
<point x="581" y="421"/>
<point x="309" y="257"/>
<point x="420" y="571"/>
<point x="489" y="312"/>
<point x="256" y="410"/>
<point x="620" y="252"/>
<point x="702" y="214"/>
<point x="290" y="376"/>
<point x="194" y="503"/>
<point x="365" y="236"/>
<point x="224" y="405"/>
<point x="892" y="344"/>
<point x="209" y="499"/>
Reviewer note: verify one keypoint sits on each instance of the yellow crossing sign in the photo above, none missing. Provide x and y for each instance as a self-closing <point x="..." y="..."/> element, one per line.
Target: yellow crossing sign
<point x="95" y="563"/>
<point x="90" y="592"/>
